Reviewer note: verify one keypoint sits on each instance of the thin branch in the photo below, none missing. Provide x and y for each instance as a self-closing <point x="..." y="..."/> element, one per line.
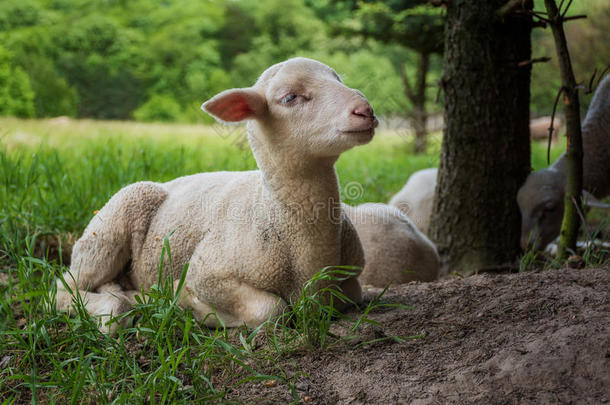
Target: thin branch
<point x="565" y="10"/>
<point x="544" y="21"/>
<point x="532" y="61"/>
<point x="574" y="149"/>
<point x="440" y="83"/>
<point x="548" y="149"/>
<point x="438" y="94"/>
<point x="574" y="17"/>
<point x="405" y="82"/>
<point x="601" y="76"/>
<point x="539" y="24"/>
<point x="538" y="13"/>
<point x="589" y="89"/>
<point x="540" y="17"/>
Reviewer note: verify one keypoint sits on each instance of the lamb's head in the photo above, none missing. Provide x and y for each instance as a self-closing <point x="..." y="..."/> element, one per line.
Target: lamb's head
<point x="300" y="104"/>
<point x="541" y="203"/>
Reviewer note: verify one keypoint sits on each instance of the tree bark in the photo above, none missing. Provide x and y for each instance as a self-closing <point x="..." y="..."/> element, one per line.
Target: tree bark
<point x="574" y="150"/>
<point x="485" y="155"/>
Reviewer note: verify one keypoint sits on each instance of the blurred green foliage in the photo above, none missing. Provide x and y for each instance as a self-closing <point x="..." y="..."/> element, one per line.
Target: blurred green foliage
<point x="16" y="95"/>
<point x="159" y="60"/>
<point x="159" y="107"/>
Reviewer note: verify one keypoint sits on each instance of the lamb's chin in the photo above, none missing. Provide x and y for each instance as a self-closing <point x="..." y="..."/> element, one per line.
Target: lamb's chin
<point x="359" y="137"/>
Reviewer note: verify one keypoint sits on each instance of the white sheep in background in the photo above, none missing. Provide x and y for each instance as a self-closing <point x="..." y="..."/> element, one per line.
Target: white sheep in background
<point x="417" y="198"/>
<point x="395" y="250"/>
<point x="541" y="198"/>
<point x="251" y="239"/>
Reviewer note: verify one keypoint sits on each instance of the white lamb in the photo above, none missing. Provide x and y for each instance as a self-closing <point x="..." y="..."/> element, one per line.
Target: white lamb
<point x="541" y="198"/>
<point x="416" y="198"/>
<point x="251" y="239"/>
<point x="395" y="250"/>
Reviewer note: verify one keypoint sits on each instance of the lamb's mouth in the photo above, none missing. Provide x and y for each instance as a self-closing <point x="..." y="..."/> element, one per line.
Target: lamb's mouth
<point x="362" y="131"/>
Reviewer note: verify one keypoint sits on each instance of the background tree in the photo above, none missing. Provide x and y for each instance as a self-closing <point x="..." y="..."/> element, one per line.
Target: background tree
<point x="158" y="60"/>
<point x="485" y="153"/>
<point x="413" y="24"/>
<point x="16" y="95"/>
<point x="416" y="25"/>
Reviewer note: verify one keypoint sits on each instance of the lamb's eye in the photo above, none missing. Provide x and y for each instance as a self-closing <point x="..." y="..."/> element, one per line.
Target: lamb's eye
<point x="288" y="98"/>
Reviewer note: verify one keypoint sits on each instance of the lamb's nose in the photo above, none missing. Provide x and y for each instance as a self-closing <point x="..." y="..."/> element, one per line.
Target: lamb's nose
<point x="364" y="111"/>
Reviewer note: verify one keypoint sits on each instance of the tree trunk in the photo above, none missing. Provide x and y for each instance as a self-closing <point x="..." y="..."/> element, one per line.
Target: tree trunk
<point x="574" y="151"/>
<point x="419" y="114"/>
<point x="485" y="155"/>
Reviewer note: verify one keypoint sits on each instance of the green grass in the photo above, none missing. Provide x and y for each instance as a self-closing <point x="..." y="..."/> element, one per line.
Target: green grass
<point x="165" y="356"/>
<point x="55" y="174"/>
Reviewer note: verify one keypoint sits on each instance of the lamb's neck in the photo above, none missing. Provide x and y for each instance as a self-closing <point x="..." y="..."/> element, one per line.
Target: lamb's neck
<point x="307" y="188"/>
<point x="304" y="183"/>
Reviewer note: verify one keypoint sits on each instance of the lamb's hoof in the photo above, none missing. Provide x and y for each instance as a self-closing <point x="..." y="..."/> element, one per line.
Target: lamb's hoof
<point x="107" y="314"/>
<point x="108" y="324"/>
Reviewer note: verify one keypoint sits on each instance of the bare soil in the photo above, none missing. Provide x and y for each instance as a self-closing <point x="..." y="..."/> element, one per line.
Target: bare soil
<point x="491" y="339"/>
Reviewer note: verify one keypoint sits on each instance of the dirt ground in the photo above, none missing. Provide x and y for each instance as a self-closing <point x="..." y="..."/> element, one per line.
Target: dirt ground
<point x="492" y="339"/>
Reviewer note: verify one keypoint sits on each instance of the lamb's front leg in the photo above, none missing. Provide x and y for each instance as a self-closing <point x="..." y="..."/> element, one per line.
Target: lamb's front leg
<point x="113" y="237"/>
<point x="229" y="302"/>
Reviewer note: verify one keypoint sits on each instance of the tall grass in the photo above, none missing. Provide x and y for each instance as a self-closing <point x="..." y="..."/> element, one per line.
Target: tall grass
<point x="307" y="322"/>
<point x="164" y="356"/>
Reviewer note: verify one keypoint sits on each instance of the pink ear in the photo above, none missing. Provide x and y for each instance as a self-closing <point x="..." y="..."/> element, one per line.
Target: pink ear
<point x="236" y="105"/>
